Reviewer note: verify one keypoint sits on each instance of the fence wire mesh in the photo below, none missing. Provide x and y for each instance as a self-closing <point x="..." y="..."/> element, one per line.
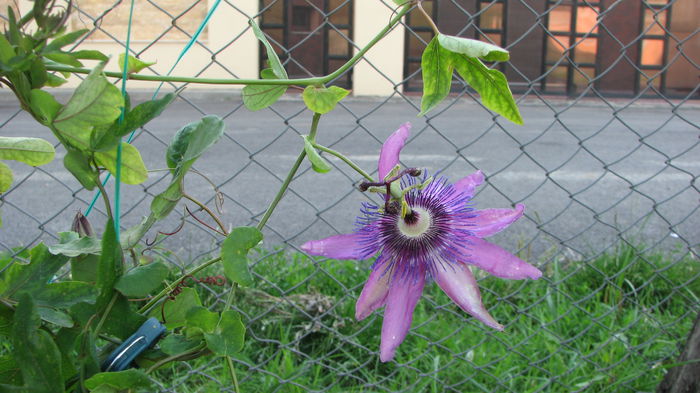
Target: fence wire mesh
<point x="603" y="167"/>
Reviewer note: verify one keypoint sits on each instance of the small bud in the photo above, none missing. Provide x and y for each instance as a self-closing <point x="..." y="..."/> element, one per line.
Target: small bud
<point x="364" y="186"/>
<point x="82" y="226"/>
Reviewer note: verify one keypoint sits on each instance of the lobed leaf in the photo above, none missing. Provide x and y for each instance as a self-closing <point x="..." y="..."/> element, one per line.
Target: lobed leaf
<point x="437" y="70"/>
<point x="31" y="151"/>
<point x="491" y="85"/>
<point x="175" y="311"/>
<point x="256" y="97"/>
<point x="473" y="48"/>
<point x="78" y="164"/>
<point x="44" y="105"/>
<point x="65" y="294"/>
<point x="234" y="253"/>
<point x="33" y="276"/>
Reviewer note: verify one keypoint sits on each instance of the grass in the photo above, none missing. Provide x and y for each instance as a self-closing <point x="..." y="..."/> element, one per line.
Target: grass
<point x="610" y="324"/>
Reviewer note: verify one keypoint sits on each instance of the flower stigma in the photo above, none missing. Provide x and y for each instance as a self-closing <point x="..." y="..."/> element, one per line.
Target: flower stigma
<point x="416" y="223"/>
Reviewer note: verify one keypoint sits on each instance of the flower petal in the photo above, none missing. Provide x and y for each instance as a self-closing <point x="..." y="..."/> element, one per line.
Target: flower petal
<point x="398" y="315"/>
<point x="389" y="156"/>
<point x="459" y="284"/>
<point x="336" y="247"/>
<point x="488" y="222"/>
<point x="468" y="185"/>
<point x="374" y="292"/>
<point x="497" y="261"/>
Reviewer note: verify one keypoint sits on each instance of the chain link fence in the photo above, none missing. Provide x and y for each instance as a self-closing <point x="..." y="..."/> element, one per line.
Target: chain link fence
<point x="606" y="163"/>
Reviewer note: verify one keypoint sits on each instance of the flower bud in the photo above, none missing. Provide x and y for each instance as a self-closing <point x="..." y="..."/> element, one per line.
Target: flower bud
<point x="82" y="226"/>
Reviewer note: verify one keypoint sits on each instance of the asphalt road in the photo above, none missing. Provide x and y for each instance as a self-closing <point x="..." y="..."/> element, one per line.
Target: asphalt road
<point x="586" y="173"/>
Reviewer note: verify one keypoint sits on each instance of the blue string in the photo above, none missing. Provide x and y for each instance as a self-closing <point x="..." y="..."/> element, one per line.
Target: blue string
<point x="187" y="47"/>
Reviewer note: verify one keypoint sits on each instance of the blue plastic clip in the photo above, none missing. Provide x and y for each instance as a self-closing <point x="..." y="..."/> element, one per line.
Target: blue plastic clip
<point x="121" y="358"/>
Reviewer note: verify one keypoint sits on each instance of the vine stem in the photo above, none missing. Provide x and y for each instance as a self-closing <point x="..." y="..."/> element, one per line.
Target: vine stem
<point x="292" y="171"/>
<point x="345" y="160"/>
<point x="428" y="17"/>
<point x="217" y="81"/>
<point x="169" y="359"/>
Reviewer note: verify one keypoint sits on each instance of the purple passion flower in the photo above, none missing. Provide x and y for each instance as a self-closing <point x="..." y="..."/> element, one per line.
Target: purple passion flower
<point x="438" y="238"/>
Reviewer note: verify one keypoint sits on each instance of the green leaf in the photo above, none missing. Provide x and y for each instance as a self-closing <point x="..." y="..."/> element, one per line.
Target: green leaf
<point x="76" y="246"/>
<point x="31" y="151"/>
<point x="317" y="162"/>
<point x="133" y="64"/>
<point x="6" y="50"/>
<point x="54" y="81"/>
<point x="58" y="318"/>
<point x="321" y="99"/>
<point x="120" y="380"/>
<point x="141" y="114"/>
<point x="33" y="276"/>
<point x="5" y="177"/>
<point x="37" y="73"/>
<point x="84" y="268"/>
<point x="188" y="144"/>
<point x="95" y="102"/>
<point x="200" y="320"/>
<point x="174" y="344"/>
<point x="227" y="339"/>
<point x="34" y="351"/>
<point x="191" y="141"/>
<point x="121" y="322"/>
<point x="491" y="85"/>
<point x="44" y="105"/>
<point x="133" y="169"/>
<point x="65" y="294"/>
<point x="436" y="66"/>
<point x="175" y="311"/>
<point x="256" y="97"/>
<point x="10" y="373"/>
<point x="234" y="253"/>
<point x="473" y="48"/>
<point x="272" y="59"/>
<point x="78" y="164"/>
<point x="63" y="58"/>
<point x="141" y="281"/>
<point x="63" y="40"/>
<point x="89" y="55"/>
<point x="110" y="268"/>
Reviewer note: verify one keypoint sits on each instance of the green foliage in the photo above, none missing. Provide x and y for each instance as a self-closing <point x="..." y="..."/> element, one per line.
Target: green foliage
<point x="227" y="338"/>
<point x="272" y="59"/>
<point x="188" y="144"/>
<point x="95" y="102"/>
<point x="175" y="311"/>
<point x="473" y="48"/>
<point x="321" y="99"/>
<point x="234" y="253"/>
<point x="256" y="97"/>
<point x="318" y="163"/>
<point x="78" y="164"/>
<point x="33" y="276"/>
<point x="445" y="54"/>
<point x="5" y="177"/>
<point x="110" y="266"/>
<point x="31" y="151"/>
<point x="174" y="344"/>
<point x="437" y="69"/>
<point x="491" y="85"/>
<point x="141" y="281"/>
<point x="133" y="170"/>
<point x="114" y="382"/>
<point x="36" y="354"/>
<point x="133" y="65"/>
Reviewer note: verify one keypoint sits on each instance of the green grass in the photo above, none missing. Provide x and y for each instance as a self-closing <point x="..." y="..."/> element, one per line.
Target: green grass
<point x="611" y="324"/>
